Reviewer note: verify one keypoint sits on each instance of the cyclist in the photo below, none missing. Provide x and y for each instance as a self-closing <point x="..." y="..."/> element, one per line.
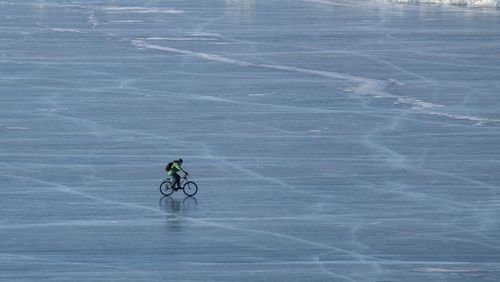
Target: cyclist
<point x="176" y="167"/>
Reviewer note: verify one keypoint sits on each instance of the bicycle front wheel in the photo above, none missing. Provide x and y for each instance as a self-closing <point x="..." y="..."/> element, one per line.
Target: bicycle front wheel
<point x="190" y="188"/>
<point x="165" y="188"/>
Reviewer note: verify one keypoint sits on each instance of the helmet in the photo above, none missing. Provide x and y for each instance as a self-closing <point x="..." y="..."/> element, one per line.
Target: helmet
<point x="180" y="160"/>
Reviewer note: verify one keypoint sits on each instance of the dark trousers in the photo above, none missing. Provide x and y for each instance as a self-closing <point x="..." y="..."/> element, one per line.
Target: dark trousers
<point x="177" y="179"/>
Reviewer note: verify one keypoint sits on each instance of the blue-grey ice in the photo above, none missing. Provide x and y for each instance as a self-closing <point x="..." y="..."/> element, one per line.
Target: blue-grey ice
<point x="331" y="140"/>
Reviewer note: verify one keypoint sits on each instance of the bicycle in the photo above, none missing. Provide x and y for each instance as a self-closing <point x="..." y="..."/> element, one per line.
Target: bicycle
<point x="189" y="187"/>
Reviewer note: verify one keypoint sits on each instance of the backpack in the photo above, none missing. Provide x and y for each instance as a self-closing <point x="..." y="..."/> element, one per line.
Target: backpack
<point x="169" y="166"/>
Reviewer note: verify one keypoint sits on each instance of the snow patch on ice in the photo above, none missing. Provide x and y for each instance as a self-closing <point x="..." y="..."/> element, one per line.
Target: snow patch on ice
<point x="93" y="20"/>
<point x="66" y="30"/>
<point x="204" y="34"/>
<point x="260" y="94"/>
<point x="397" y="82"/>
<point x="447" y="270"/>
<point x="468" y="3"/>
<point x="52" y="109"/>
<point x="328" y="2"/>
<point x="16" y="128"/>
<point x="127" y="21"/>
<point x="141" y="10"/>
<point x="180" y="39"/>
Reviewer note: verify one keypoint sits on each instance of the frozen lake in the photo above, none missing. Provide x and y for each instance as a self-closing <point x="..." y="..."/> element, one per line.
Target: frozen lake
<point x="330" y="140"/>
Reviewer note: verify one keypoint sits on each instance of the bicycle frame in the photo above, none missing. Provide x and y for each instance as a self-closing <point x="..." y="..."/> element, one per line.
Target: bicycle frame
<point x="182" y="181"/>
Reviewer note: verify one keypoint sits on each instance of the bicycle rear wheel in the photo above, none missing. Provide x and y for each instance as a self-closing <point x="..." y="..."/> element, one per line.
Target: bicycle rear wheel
<point x="190" y="188"/>
<point x="165" y="188"/>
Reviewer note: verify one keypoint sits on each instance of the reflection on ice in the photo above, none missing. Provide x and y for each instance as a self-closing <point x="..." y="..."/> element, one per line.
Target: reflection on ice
<point x="174" y="205"/>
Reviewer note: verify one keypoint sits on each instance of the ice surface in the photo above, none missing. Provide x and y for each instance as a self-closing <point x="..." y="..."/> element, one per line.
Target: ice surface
<point x="331" y="141"/>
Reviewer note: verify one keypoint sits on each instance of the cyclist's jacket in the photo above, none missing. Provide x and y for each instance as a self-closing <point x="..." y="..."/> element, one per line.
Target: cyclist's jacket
<point x="175" y="168"/>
